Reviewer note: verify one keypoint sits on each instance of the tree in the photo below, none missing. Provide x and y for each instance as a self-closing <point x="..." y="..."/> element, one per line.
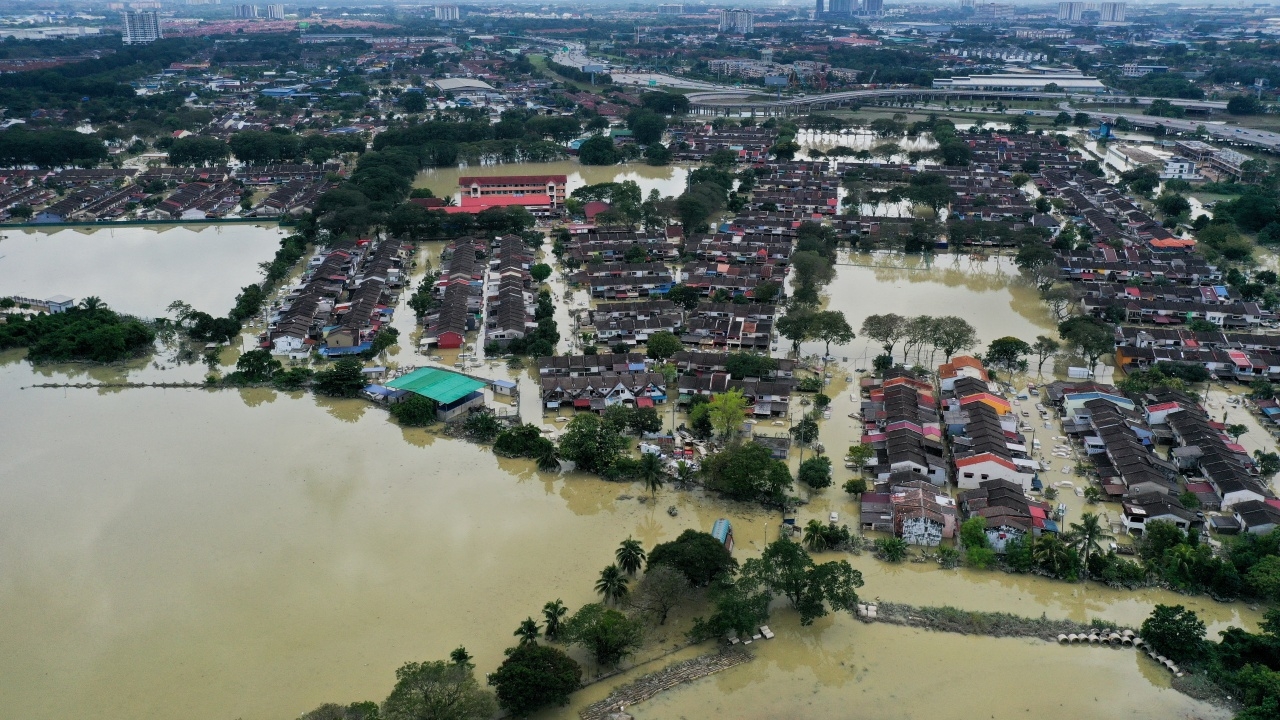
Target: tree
<point x="1091" y="337"/>
<point x="662" y="345"/>
<point x="812" y="271"/>
<point x="684" y="296"/>
<point x="553" y="612"/>
<point x="701" y="558"/>
<point x="742" y="365"/>
<point x="1044" y="347"/>
<point x="951" y="334"/>
<point x="533" y="677"/>
<point x="815" y="536"/>
<point x="590" y="444"/>
<point x="344" y="379"/>
<point x="973" y="533"/>
<point x="891" y="549"/>
<point x="598" y="150"/>
<point x="805" y="432"/>
<point x="630" y="555"/>
<point x="816" y="472"/>
<point x="786" y="569"/>
<point x="604" y="632"/>
<point x="1062" y="118"/>
<point x="414" y="411"/>
<point x="830" y="326"/>
<point x="797" y="326"/>
<point x="1085" y="536"/>
<point x="257" y="366"/>
<point x="434" y="690"/>
<point x="612" y="585"/>
<point x="413" y="101"/>
<point x="540" y="272"/>
<point x="1244" y="105"/>
<point x="198" y="150"/>
<point x="859" y="455"/>
<point x="1175" y="632"/>
<point x="646" y="126"/>
<point x="748" y="471"/>
<point x="652" y="474"/>
<point x="1235" y="430"/>
<point x="855" y="486"/>
<point x="659" y="591"/>
<point x="528" y="632"/>
<point x="1007" y="352"/>
<point x="1082" y="119"/>
<point x="728" y="411"/>
<point x="1172" y="204"/>
<point x="885" y="329"/>
<point x="1264" y="578"/>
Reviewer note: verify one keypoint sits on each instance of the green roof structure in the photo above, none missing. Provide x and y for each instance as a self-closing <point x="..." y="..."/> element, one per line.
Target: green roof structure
<point x="440" y="385"/>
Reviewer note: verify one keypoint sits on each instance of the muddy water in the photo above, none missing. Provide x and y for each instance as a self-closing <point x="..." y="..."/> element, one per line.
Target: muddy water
<point x="138" y="270"/>
<point x="254" y="554"/>
<point x="669" y="180"/>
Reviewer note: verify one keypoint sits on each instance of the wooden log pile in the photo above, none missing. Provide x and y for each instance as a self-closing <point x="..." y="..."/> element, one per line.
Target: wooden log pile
<point x="649" y="685"/>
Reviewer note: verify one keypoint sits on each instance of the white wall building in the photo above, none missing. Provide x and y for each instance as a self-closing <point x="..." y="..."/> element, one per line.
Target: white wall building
<point x="141" y="28"/>
<point x="737" y="21"/>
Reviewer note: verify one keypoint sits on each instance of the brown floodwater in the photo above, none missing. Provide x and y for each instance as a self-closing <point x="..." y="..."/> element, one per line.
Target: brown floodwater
<point x="138" y="269"/>
<point x="252" y="554"/>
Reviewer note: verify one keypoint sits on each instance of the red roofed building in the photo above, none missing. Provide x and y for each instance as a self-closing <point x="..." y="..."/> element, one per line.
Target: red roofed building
<point x="550" y="186"/>
<point x="535" y="204"/>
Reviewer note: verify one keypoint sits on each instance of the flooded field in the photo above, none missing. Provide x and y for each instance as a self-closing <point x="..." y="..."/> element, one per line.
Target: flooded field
<point x="137" y="270"/>
<point x="252" y="554"/>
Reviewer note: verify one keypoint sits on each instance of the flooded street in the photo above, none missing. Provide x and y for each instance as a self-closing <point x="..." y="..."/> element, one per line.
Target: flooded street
<point x="138" y="270"/>
<point x="252" y="554"/>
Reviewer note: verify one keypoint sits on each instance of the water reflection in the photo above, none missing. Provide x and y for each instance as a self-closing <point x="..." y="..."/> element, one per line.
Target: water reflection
<point x="138" y="270"/>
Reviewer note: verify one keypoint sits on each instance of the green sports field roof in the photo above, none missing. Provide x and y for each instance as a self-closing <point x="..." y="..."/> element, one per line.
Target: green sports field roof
<point x="440" y="385"/>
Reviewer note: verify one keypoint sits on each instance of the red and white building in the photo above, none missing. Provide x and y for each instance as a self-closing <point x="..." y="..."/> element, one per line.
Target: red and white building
<point x="550" y="187"/>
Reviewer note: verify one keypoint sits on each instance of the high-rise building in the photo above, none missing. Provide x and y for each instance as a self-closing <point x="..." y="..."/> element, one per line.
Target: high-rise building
<point x="446" y="12"/>
<point x="275" y="12"/>
<point x="841" y="7"/>
<point x="1111" y="12"/>
<point x="737" y="21"/>
<point x="246" y="11"/>
<point x="1085" y="11"/>
<point x="671" y="9"/>
<point x="966" y="4"/>
<point x="872" y="7"/>
<point x="141" y="28"/>
<point x="993" y="12"/>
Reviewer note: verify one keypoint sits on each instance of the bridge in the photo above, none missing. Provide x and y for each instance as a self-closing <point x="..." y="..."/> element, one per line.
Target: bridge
<point x="728" y="102"/>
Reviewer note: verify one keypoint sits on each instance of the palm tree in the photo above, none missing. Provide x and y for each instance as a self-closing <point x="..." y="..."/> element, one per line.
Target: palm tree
<point x="612" y="585"/>
<point x="549" y="458"/>
<point x="1086" y="535"/>
<point x="652" y="474"/>
<point x="93" y="302"/>
<point x="630" y="556"/>
<point x="528" y="631"/>
<point x="1053" y="555"/>
<point x="815" y="536"/>
<point x="684" y="472"/>
<point x="553" y="612"/>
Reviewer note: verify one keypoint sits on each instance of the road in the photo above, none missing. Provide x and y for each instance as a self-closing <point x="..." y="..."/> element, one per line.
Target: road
<point x="1264" y="139"/>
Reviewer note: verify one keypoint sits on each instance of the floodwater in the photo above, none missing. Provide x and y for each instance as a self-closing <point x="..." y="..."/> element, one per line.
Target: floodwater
<point x="253" y="554"/>
<point x="668" y="180"/>
<point x="138" y="270"/>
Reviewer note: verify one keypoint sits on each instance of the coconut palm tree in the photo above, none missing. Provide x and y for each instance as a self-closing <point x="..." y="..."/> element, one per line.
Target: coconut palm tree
<point x="1086" y="535"/>
<point x="549" y="458"/>
<point x="528" y="631"/>
<point x="815" y="536"/>
<point x="93" y="302"/>
<point x="652" y="473"/>
<point x="553" y="612"/>
<point x="684" y="472"/>
<point x="1053" y="555"/>
<point x="630" y="555"/>
<point x="612" y="585"/>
